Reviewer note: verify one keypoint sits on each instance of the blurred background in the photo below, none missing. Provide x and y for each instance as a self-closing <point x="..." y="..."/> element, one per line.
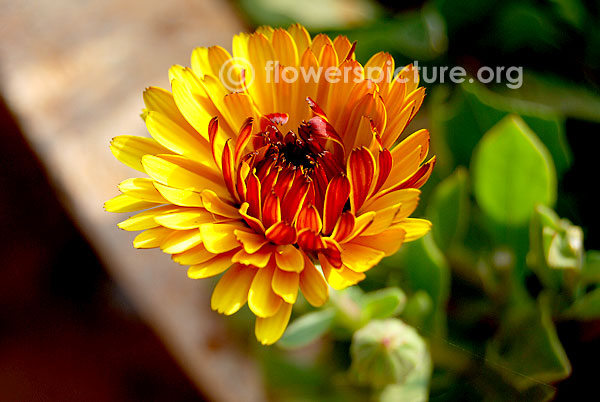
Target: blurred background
<point x="84" y="316"/>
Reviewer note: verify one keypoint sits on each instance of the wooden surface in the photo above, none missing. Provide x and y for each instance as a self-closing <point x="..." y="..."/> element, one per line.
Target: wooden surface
<point x="73" y="73"/>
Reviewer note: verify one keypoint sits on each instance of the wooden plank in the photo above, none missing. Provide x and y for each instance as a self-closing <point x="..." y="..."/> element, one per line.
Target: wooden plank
<point x="73" y="73"/>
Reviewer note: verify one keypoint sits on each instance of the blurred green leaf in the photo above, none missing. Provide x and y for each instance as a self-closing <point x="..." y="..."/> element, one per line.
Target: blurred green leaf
<point x="571" y="11"/>
<point x="590" y="273"/>
<point x="555" y="246"/>
<point x="307" y="328"/>
<point x="526" y="350"/>
<point x="424" y="267"/>
<point x="414" y="389"/>
<point x="383" y="303"/>
<point x="512" y="172"/>
<point x="523" y="26"/>
<point x="475" y="109"/>
<point x="418" y="307"/>
<point x="459" y="13"/>
<point x="448" y="209"/>
<point x="587" y="307"/>
<point x="417" y="35"/>
<point x="564" y="97"/>
<point x="281" y="13"/>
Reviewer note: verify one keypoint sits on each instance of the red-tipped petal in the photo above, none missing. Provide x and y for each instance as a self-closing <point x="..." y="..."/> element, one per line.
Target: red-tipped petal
<point x="294" y="199"/>
<point x="344" y="226"/>
<point x="361" y="169"/>
<point x="281" y="233"/>
<point x="242" y="140"/>
<point x="336" y="197"/>
<point x="271" y="211"/>
<point x="228" y="171"/>
<point x="420" y="176"/>
<point x="309" y="218"/>
<point x="309" y="240"/>
<point x="253" y="195"/>
<point x="385" y="167"/>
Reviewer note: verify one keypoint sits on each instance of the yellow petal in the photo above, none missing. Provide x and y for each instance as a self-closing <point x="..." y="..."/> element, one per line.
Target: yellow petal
<point x="285" y="48"/>
<point x="145" y="220"/>
<point x="262" y="300"/>
<point x="289" y="258"/>
<point x="181" y="240"/>
<point x="383" y="220"/>
<point x="177" y="196"/>
<point x="360" y="258"/>
<point x="211" y="267"/>
<point x="126" y="203"/>
<point x="193" y="256"/>
<point x="197" y="108"/>
<point x="252" y="242"/>
<point x="213" y="203"/>
<point x="259" y="259"/>
<point x="143" y="189"/>
<point x="339" y="278"/>
<point x="160" y="100"/>
<point x="408" y="197"/>
<point x="219" y="237"/>
<point x="129" y="150"/>
<point x="170" y="172"/>
<point x="183" y="219"/>
<point x="174" y="137"/>
<point x="415" y="228"/>
<point x="285" y="284"/>
<point x="231" y="292"/>
<point x="269" y="330"/>
<point x="301" y="37"/>
<point x="151" y="238"/>
<point x="388" y="241"/>
<point x="313" y="285"/>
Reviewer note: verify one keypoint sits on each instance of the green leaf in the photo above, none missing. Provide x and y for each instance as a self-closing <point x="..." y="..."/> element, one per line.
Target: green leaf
<point x="572" y="11"/>
<point x="307" y="328"/>
<point x="417" y="35"/>
<point x="419" y="306"/>
<point x="523" y="26"/>
<point x="383" y="303"/>
<point x="590" y="273"/>
<point x="565" y="97"/>
<point x="414" y="389"/>
<point x="556" y="247"/>
<point x="286" y="12"/>
<point x="424" y="267"/>
<point x="526" y="349"/>
<point x="475" y="109"/>
<point x="512" y="172"/>
<point x="448" y="209"/>
<point x="586" y="307"/>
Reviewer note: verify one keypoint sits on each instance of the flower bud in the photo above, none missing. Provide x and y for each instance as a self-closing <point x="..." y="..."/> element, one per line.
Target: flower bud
<point x="387" y="352"/>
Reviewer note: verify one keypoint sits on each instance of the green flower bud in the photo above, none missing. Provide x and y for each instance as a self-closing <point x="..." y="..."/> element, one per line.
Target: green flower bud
<point x="387" y="352"/>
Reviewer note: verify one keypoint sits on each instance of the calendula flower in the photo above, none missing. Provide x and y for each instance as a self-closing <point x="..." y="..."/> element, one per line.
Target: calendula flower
<point x="263" y="164"/>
